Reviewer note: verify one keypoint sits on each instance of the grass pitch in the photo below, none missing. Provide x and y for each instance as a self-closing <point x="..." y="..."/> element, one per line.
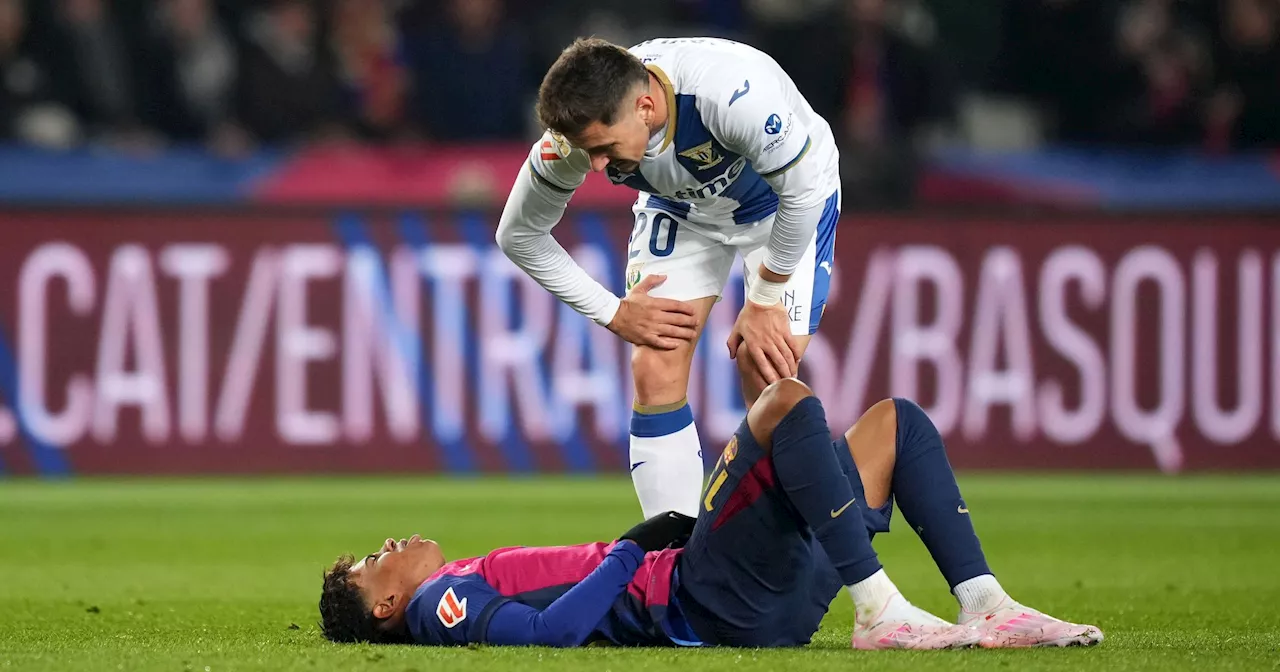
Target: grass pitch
<point x="212" y="575"/>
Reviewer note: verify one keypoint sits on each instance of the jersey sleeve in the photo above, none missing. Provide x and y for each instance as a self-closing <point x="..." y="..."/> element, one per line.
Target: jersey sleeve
<point x="556" y="165"/>
<point x="755" y="121"/>
<point x="452" y="610"/>
<point x="537" y="202"/>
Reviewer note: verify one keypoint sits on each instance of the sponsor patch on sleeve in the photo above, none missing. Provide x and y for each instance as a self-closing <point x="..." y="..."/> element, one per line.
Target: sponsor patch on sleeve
<point x="555" y="147"/>
<point x="451" y="610"/>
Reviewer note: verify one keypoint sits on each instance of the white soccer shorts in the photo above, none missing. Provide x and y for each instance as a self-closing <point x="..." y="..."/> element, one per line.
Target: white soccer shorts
<point x="697" y="261"/>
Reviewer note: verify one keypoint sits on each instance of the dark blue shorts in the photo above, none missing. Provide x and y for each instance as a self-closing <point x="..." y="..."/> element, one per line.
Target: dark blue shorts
<point x="752" y="574"/>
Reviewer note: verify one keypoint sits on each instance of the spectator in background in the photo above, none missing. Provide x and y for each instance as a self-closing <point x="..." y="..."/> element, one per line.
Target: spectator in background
<point x="371" y="68"/>
<point x="1158" y="76"/>
<point x="27" y="110"/>
<point x="286" y="89"/>
<point x="188" y="70"/>
<point x="879" y="85"/>
<point x="91" y="67"/>
<point x="1244" y="111"/>
<point x="470" y="76"/>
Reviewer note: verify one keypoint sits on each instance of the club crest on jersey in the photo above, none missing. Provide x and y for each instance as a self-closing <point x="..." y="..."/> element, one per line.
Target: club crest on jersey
<point x="773" y="124"/>
<point x="451" y="610"/>
<point x="704" y="155"/>
<point x="731" y="450"/>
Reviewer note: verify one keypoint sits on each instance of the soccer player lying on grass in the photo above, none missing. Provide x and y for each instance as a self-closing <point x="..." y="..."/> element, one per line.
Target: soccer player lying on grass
<point x="787" y="519"/>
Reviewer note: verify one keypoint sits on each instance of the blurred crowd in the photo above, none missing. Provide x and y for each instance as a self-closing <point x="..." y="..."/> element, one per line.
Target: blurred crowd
<point x="888" y="74"/>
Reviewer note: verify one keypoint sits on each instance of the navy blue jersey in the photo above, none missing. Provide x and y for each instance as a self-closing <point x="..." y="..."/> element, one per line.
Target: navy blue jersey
<point x="552" y="596"/>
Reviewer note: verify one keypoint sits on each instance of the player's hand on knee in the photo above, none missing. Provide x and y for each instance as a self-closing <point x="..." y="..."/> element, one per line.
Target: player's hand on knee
<point x="765" y="332"/>
<point x="663" y="324"/>
<point x="661" y="531"/>
<point x="749" y="373"/>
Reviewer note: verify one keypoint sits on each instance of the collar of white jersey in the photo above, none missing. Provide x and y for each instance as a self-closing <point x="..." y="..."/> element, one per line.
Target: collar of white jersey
<point x="665" y="83"/>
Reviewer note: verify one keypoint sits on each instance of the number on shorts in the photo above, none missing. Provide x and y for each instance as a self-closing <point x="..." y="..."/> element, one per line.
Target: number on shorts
<point x="642" y="220"/>
<point x="672" y="227"/>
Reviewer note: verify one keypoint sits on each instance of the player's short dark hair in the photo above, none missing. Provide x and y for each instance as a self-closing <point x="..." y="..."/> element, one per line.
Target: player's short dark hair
<point x="587" y="83"/>
<point x="344" y="616"/>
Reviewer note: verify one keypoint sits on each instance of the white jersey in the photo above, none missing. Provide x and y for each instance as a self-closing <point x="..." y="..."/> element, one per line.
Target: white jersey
<point x="740" y="145"/>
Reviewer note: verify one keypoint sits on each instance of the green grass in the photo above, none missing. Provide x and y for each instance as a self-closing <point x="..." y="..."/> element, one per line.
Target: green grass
<point x="213" y="574"/>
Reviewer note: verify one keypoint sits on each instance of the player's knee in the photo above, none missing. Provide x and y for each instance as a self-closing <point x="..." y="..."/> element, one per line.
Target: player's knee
<point x="874" y="436"/>
<point x="660" y="376"/>
<point x="753" y="382"/>
<point x="775" y="402"/>
<point x="884" y="414"/>
<point x="915" y="427"/>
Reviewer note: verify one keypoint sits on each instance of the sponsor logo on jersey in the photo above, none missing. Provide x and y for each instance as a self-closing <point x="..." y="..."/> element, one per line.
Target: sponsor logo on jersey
<point x="773" y="125"/>
<point x="746" y="87"/>
<point x="782" y="135"/>
<point x="451" y="610"/>
<point x="705" y="155"/>
<point x="709" y="189"/>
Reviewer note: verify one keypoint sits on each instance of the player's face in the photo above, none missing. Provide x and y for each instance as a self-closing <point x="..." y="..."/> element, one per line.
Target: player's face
<point x="621" y="144"/>
<point x="396" y="569"/>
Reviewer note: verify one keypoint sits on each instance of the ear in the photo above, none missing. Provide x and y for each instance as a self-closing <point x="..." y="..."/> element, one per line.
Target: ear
<point x="385" y="607"/>
<point x="646" y="107"/>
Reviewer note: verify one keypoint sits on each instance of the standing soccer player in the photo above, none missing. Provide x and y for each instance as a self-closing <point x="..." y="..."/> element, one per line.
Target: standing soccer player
<point x="729" y="160"/>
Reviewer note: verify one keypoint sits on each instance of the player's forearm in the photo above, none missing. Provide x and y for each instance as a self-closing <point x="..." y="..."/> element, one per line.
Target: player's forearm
<point x="793" y="228"/>
<point x="524" y="234"/>
<point x="571" y="619"/>
<point x="547" y="262"/>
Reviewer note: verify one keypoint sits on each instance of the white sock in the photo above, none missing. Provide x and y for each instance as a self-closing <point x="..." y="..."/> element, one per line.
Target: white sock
<point x="871" y="594"/>
<point x="666" y="461"/>
<point x="876" y="598"/>
<point x="979" y="594"/>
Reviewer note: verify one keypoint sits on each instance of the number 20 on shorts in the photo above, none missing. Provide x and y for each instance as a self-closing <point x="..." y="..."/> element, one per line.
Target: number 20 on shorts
<point x="659" y="219"/>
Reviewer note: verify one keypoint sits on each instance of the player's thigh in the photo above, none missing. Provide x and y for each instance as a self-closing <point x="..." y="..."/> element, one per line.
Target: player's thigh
<point x="749" y="555"/>
<point x="696" y="269"/>
<point x="662" y="243"/>
<point x="872" y="442"/>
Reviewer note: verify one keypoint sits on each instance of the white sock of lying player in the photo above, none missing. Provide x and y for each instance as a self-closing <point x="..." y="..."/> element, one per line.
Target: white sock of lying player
<point x="884" y="619"/>
<point x="666" y="459"/>
<point x="876" y="598"/>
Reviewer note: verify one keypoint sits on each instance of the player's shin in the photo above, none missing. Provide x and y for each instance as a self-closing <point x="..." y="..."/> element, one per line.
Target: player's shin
<point x="811" y="476"/>
<point x="666" y="459"/>
<point x="929" y="498"/>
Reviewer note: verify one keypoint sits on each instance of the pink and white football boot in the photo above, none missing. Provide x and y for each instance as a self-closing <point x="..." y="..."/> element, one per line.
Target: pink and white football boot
<point x="1013" y="626"/>
<point x="901" y="625"/>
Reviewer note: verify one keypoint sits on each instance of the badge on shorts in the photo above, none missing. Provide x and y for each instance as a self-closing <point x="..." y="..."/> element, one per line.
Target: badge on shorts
<point x="633" y="275"/>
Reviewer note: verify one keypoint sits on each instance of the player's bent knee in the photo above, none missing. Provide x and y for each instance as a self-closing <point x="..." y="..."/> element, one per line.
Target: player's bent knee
<point x="912" y="415"/>
<point x="753" y="382"/>
<point x="775" y="402"/>
<point x="884" y="414"/>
